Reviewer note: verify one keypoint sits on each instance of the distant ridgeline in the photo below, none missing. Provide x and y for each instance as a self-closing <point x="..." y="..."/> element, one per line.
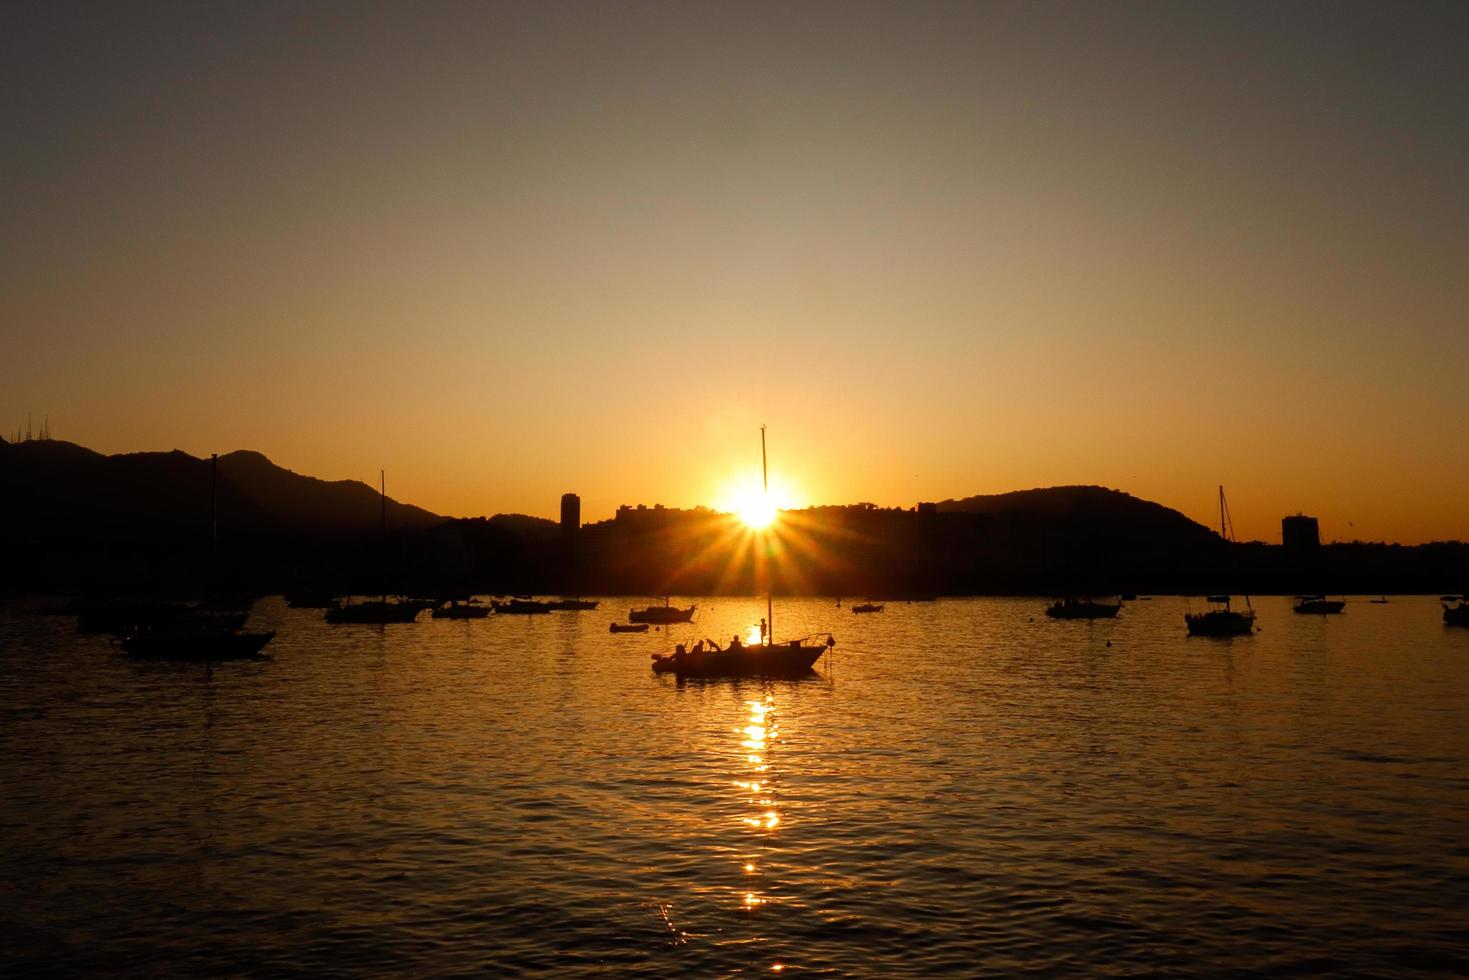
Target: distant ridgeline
<point x="77" y="520"/>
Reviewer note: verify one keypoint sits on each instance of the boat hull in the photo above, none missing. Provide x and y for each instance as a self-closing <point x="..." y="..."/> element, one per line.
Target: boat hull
<point x="522" y="607"/>
<point x="661" y="615"/>
<point x="1320" y="607"/>
<point x="195" y="644"/>
<point x="1456" y="616"/>
<point x="461" y="612"/>
<point x="633" y="628"/>
<point x="1220" y="622"/>
<point x="778" y="660"/>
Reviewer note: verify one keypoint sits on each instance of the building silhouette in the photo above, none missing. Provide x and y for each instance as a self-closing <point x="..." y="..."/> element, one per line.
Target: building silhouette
<point x="570" y="513"/>
<point x="1300" y="535"/>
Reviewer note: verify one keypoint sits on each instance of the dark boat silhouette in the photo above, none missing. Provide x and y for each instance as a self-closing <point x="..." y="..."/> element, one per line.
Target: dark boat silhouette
<point x="1074" y="608"/>
<point x="196" y="643"/>
<point x="521" y="607"/>
<point x="1220" y="619"/>
<point x="868" y="607"/>
<point x="1318" y="605"/>
<point x="627" y="627"/>
<point x="1455" y="610"/>
<point x="573" y="605"/>
<point x="661" y="614"/>
<point x="794" y="658"/>
<point x="379" y="611"/>
<point x="119" y="616"/>
<point x="1380" y="601"/>
<point x="460" y="610"/>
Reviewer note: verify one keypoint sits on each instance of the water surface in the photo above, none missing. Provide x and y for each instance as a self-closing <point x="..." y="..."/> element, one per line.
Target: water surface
<point x="964" y="786"/>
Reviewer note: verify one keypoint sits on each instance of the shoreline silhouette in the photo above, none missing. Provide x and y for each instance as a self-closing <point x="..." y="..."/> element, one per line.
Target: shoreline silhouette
<point x="151" y="523"/>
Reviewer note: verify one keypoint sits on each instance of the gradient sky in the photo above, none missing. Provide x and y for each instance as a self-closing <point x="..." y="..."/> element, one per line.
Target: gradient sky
<point x="509" y="250"/>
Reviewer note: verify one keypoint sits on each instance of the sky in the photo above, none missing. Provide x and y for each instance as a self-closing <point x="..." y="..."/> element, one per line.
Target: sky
<point x="506" y="251"/>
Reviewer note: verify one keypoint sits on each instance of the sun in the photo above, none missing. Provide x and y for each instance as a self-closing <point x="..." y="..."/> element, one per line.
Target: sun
<point x="757" y="513"/>
<point x="755" y="508"/>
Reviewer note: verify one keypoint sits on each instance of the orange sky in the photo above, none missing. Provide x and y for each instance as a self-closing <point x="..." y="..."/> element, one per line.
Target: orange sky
<point x="941" y="250"/>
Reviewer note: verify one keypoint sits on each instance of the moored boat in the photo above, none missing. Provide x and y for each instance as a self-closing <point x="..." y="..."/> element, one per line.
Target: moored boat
<point x="1318" y="605"/>
<point x="1220" y="619"/>
<point x="1074" y="608"/>
<point x="627" y="627"/>
<point x="571" y="605"/>
<point x="521" y="607"/>
<point x="663" y="614"/>
<point x="1455" y="610"/>
<point x="868" y="607"/>
<point x="460" y="610"/>
<point x="794" y="658"/>
<point x="201" y="643"/>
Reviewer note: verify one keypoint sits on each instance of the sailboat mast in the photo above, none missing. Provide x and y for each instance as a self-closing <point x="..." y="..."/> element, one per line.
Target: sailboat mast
<point x="769" y="603"/>
<point x="382" y="483"/>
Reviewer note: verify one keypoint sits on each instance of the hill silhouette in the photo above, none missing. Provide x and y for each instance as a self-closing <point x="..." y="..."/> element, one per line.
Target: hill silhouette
<point x="74" y="519"/>
<point x="62" y="484"/>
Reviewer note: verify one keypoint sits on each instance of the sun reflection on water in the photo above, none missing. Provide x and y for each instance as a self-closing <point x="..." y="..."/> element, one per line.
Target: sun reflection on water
<point x="757" y="790"/>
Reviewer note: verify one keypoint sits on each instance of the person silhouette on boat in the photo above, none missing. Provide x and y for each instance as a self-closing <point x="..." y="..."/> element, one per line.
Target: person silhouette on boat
<point x="764" y="630"/>
<point x="735" y="644"/>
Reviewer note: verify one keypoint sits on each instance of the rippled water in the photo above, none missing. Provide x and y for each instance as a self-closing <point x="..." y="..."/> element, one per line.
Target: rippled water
<point x="965" y="787"/>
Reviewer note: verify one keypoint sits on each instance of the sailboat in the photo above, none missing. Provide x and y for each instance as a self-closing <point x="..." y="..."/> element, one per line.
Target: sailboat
<point x="195" y="631"/>
<point x="662" y="614"/>
<point x="1219" y="619"/>
<point x="378" y="611"/>
<point x="793" y="658"/>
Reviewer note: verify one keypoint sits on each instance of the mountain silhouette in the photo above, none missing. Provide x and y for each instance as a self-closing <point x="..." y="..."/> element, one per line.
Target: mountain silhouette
<point x="61" y="484"/>
<point x="74" y="519"/>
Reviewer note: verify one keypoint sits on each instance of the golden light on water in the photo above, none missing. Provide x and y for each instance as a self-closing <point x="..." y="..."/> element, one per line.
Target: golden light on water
<point x="758" y="732"/>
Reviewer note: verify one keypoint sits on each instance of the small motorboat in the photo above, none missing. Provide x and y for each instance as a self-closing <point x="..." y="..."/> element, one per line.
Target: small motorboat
<point x="1074" y="608"/>
<point x="627" y="628"/>
<point x="1380" y="601"/>
<point x="197" y="643"/>
<point x="1318" y="605"/>
<point x="868" y="607"/>
<point x="572" y="605"/>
